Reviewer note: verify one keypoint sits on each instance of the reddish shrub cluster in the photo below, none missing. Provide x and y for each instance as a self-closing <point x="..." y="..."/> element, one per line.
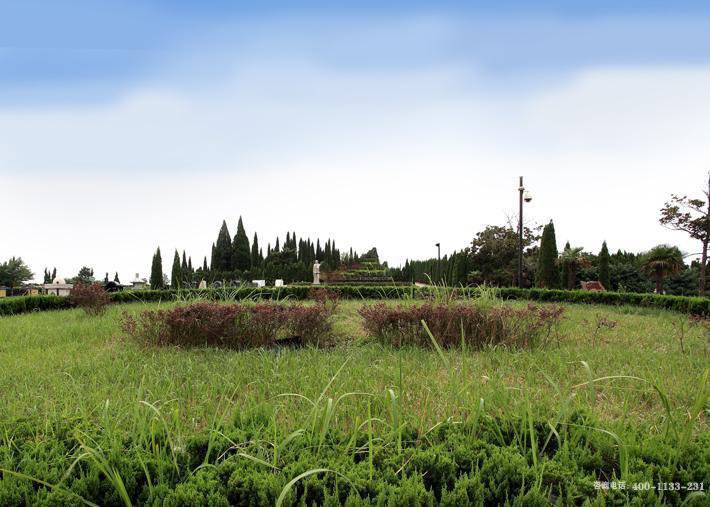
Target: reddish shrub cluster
<point x="91" y="297"/>
<point x="236" y="326"/>
<point x="450" y="323"/>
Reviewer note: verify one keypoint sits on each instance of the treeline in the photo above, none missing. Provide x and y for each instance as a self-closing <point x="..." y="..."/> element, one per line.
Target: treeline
<point x="235" y="259"/>
<point x="492" y="259"/>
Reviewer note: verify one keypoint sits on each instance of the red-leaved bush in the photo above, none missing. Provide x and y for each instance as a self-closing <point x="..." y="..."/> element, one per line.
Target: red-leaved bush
<point x="235" y="326"/>
<point x="91" y="297"/>
<point x="451" y="323"/>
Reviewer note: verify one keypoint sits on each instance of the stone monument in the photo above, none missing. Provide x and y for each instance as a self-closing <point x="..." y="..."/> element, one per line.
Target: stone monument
<point x="316" y="273"/>
<point x="203" y="284"/>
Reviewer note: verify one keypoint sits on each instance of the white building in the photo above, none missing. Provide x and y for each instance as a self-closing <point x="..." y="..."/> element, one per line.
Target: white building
<point x="58" y="287"/>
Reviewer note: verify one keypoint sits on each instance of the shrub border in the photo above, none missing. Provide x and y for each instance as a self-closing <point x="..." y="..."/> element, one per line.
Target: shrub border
<point x="683" y="304"/>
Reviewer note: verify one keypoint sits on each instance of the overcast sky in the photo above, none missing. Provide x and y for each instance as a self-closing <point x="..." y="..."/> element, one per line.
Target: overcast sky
<point x="126" y="126"/>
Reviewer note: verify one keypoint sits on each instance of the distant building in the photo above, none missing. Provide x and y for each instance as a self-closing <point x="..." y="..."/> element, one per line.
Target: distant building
<point x="138" y="283"/>
<point x="58" y="287"/>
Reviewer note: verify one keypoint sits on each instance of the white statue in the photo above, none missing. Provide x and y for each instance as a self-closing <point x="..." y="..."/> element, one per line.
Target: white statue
<point x="203" y="284"/>
<point x="316" y="273"/>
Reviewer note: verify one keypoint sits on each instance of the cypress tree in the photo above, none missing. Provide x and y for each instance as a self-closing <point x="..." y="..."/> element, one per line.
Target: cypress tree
<point x="54" y="274"/>
<point x="277" y="248"/>
<point x="156" y="271"/>
<point x="255" y="258"/>
<point x="222" y="260"/>
<point x="565" y="268"/>
<point x="115" y="278"/>
<point x="176" y="274"/>
<point x="183" y="266"/>
<point x="604" y="277"/>
<point x="204" y="265"/>
<point x="548" y="276"/>
<point x="240" y="249"/>
<point x="212" y="256"/>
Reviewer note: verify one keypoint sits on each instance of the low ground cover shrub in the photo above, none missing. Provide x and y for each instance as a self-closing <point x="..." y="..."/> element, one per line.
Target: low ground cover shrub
<point x="90" y="297"/>
<point x="456" y="323"/>
<point x="493" y="461"/>
<point x="233" y="325"/>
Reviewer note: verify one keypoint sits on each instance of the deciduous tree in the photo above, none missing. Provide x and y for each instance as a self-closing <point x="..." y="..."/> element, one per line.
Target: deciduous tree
<point x="691" y="216"/>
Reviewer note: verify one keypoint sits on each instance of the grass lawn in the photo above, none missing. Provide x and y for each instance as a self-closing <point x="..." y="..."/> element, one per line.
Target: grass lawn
<point x="70" y="378"/>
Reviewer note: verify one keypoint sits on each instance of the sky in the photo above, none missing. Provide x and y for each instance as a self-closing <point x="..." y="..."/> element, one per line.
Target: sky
<point x="125" y="126"/>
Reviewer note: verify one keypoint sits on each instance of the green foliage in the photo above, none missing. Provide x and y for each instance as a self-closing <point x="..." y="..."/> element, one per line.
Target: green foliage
<point x="475" y="463"/>
<point x="222" y="253"/>
<point x="604" y="276"/>
<point x="494" y="254"/>
<point x="548" y="276"/>
<point x="14" y="272"/>
<point x="660" y="262"/>
<point x="683" y="304"/>
<point x="156" y="271"/>
<point x="176" y="272"/>
<point x="571" y="260"/>
<point x="241" y="255"/>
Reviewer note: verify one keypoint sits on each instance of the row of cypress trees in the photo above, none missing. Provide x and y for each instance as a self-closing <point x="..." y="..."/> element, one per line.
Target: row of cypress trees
<point x="557" y="270"/>
<point x="234" y="258"/>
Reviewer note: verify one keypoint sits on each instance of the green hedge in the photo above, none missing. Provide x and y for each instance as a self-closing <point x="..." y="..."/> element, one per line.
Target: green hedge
<point x="684" y="304"/>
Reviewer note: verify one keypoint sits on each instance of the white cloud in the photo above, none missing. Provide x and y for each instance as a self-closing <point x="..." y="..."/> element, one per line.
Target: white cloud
<point x="397" y="159"/>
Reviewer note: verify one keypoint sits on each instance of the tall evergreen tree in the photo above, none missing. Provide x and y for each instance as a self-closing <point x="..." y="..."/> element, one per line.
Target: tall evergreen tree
<point x="54" y="274"/>
<point x="604" y="276"/>
<point x="548" y="276"/>
<point x="204" y="265"/>
<point x="241" y="259"/>
<point x="106" y="277"/>
<point x="222" y="260"/>
<point x="255" y="257"/>
<point x="183" y="266"/>
<point x="176" y="273"/>
<point x="115" y="278"/>
<point x="156" y="271"/>
<point x="565" y="267"/>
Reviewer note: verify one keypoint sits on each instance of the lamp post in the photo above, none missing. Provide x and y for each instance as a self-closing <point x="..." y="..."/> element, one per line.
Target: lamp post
<point x="524" y="196"/>
<point x="438" y="261"/>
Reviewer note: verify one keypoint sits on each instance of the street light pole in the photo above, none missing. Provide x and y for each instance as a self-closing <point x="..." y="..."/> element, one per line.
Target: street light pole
<point x="438" y="261"/>
<point x="524" y="196"/>
<point x="521" y="189"/>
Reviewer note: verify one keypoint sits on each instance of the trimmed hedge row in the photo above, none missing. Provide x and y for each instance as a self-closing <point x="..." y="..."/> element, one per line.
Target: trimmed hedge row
<point x="683" y="304"/>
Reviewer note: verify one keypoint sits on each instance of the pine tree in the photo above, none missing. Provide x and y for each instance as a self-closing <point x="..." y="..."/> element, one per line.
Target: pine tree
<point x="115" y="278"/>
<point x="222" y="260"/>
<point x="241" y="259"/>
<point x="604" y="277"/>
<point x="255" y="258"/>
<point x="156" y="271"/>
<point x="176" y="273"/>
<point x="548" y="276"/>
